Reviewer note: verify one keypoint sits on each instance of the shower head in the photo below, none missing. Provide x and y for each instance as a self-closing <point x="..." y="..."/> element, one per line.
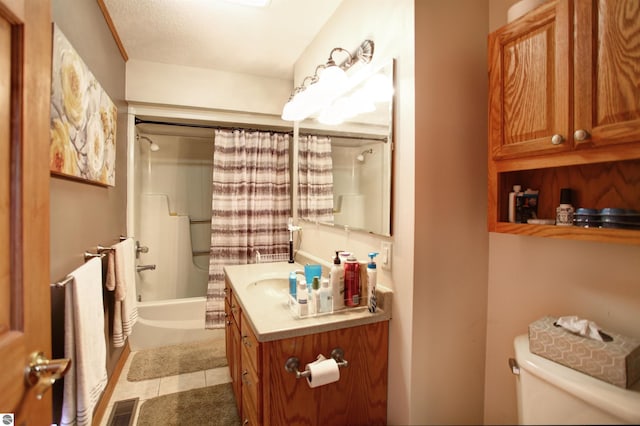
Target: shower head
<point x="360" y="156"/>
<point x="152" y="145"/>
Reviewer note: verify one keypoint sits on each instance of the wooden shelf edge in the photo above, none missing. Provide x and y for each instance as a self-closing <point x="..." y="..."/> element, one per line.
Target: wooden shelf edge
<point x="605" y="235"/>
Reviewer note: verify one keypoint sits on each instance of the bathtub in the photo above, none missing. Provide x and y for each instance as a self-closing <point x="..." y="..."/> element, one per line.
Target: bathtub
<point x="170" y="322"/>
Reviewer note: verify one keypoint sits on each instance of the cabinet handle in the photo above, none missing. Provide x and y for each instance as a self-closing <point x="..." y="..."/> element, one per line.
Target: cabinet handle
<point x="246" y="422"/>
<point x="245" y="379"/>
<point x="246" y="341"/>
<point x="581" y="135"/>
<point x="557" y="139"/>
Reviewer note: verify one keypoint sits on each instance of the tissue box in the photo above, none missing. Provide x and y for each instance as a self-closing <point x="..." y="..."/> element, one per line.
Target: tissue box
<point x="616" y="362"/>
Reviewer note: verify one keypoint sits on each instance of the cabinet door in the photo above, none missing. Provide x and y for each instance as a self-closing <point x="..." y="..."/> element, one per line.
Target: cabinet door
<point x="529" y="88"/>
<point x="233" y="348"/>
<point x="607" y="74"/>
<point x="358" y="398"/>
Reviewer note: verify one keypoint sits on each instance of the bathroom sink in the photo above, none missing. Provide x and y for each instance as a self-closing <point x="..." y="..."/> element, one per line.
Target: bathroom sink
<point x="270" y="287"/>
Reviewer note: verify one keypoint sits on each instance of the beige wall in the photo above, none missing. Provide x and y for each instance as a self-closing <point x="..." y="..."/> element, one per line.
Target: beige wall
<point x="531" y="277"/>
<point x="451" y="240"/>
<point x="83" y="215"/>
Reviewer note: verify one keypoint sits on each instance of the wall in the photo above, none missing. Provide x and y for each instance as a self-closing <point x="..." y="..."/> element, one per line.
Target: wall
<point x="83" y="215"/>
<point x="389" y="24"/>
<point x="532" y="277"/>
<point x="451" y="241"/>
<point x="155" y="83"/>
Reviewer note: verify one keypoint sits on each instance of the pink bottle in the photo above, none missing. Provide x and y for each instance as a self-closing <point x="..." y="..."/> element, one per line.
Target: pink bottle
<point x="351" y="282"/>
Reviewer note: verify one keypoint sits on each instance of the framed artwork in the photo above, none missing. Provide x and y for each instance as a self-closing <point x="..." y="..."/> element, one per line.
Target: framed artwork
<point x="83" y="119"/>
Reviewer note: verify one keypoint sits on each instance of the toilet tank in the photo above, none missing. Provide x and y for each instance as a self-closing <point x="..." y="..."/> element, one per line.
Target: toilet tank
<point x="550" y="393"/>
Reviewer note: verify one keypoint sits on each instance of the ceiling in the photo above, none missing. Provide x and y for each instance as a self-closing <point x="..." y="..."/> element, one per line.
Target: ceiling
<point x="220" y="35"/>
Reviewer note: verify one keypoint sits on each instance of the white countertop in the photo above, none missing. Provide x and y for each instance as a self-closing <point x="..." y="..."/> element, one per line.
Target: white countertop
<point x="270" y="317"/>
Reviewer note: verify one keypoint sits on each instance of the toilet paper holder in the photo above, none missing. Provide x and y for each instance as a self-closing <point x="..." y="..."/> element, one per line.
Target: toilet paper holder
<point x="293" y="363"/>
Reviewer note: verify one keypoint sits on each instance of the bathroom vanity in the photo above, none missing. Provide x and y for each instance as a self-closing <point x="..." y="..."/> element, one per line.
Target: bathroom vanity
<point x="262" y="335"/>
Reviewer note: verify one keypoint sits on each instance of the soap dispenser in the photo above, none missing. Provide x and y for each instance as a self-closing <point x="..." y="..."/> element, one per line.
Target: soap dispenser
<point x="371" y="281"/>
<point x="336" y="277"/>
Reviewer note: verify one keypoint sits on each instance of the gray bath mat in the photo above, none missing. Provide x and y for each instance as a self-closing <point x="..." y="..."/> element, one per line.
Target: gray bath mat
<point x="213" y="405"/>
<point x="178" y="359"/>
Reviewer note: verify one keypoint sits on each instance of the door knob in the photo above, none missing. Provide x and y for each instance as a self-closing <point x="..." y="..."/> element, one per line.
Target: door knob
<point x="581" y="135"/>
<point x="557" y="139"/>
<point x="42" y="372"/>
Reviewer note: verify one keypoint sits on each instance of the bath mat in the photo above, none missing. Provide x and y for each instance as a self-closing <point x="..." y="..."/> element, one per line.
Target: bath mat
<point x="178" y="359"/>
<point x="213" y="405"/>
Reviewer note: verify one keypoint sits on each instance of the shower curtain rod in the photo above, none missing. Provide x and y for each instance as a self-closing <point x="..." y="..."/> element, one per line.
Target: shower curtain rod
<point x="307" y="132"/>
<point x="208" y="126"/>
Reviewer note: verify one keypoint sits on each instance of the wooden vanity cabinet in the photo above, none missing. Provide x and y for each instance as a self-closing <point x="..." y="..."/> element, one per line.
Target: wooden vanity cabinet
<point x="233" y="343"/>
<point x="272" y="396"/>
<point x="564" y="111"/>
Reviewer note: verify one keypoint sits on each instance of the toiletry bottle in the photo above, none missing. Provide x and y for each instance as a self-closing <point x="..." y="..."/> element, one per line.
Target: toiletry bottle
<point x="564" y="212"/>
<point x="302" y="296"/>
<point x="326" y="297"/>
<point x="512" y="202"/>
<point x="293" y="284"/>
<point x="351" y="282"/>
<point x="315" y="296"/>
<point x="371" y="282"/>
<point x="337" y="283"/>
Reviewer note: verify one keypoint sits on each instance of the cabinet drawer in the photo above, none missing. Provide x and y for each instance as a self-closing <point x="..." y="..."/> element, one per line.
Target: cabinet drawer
<point x="235" y="309"/>
<point x="250" y="415"/>
<point x="251" y="389"/>
<point x="250" y="346"/>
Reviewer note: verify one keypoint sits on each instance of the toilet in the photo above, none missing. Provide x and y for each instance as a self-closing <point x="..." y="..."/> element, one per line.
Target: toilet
<point x="550" y="393"/>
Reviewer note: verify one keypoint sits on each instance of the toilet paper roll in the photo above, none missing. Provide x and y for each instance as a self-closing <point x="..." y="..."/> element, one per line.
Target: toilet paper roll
<point x="323" y="372"/>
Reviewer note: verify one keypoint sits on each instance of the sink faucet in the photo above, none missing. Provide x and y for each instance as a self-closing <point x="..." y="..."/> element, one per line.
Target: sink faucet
<point x="291" y="227"/>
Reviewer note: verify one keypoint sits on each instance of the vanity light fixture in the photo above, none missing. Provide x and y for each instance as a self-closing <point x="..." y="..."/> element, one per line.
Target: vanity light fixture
<point x="328" y="82"/>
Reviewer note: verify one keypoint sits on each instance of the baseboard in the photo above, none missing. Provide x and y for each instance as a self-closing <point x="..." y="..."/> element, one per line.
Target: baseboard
<point x="101" y="408"/>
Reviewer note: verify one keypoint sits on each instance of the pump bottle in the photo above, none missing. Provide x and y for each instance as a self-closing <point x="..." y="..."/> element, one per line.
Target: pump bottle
<point x="371" y="282"/>
<point x="512" y="202"/>
<point x="336" y="277"/>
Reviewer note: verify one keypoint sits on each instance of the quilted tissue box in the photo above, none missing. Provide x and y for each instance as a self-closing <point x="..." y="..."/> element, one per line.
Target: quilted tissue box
<point x="616" y="361"/>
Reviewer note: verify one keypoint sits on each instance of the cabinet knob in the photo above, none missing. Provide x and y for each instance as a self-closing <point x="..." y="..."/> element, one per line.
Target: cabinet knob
<point x="581" y="135"/>
<point x="557" y="139"/>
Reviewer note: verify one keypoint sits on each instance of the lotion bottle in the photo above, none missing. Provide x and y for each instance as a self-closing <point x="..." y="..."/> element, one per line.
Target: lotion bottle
<point x="315" y="296"/>
<point x="302" y="296"/>
<point x="326" y="297"/>
<point x="371" y="282"/>
<point x="336" y="277"/>
<point x="512" y="202"/>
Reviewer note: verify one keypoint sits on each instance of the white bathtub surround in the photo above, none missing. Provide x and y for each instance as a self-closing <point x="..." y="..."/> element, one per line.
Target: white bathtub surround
<point x="250" y="206"/>
<point x="121" y="278"/>
<point x="170" y="322"/>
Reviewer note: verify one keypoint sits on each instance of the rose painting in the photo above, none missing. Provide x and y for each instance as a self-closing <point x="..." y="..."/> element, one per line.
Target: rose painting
<point x="83" y="119"/>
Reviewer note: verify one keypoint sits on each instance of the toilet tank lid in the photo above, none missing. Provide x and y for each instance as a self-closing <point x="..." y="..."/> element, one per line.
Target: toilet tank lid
<point x="623" y="403"/>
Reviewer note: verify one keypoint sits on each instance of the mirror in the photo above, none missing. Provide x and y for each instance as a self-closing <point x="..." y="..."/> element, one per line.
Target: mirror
<point x="361" y="157"/>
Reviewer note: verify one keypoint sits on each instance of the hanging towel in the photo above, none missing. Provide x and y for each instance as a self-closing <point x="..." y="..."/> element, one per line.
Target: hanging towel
<point x="84" y="344"/>
<point x="121" y="278"/>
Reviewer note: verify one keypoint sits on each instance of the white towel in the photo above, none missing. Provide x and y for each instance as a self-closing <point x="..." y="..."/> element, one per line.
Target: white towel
<point x="84" y="344"/>
<point x="121" y="277"/>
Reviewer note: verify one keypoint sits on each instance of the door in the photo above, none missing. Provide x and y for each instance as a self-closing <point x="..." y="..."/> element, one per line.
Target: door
<point x="607" y="77"/>
<point x="529" y="95"/>
<point x="25" y="80"/>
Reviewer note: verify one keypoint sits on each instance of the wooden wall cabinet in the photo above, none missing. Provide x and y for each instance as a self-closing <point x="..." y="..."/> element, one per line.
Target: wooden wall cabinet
<point x="564" y="111"/>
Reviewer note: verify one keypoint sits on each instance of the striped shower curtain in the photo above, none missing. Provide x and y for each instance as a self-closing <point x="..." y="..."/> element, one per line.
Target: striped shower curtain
<point x="315" y="179"/>
<point x="250" y="206"/>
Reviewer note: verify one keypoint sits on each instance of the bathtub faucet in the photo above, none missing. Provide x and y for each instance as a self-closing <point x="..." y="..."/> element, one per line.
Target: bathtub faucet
<point x="140" y="268"/>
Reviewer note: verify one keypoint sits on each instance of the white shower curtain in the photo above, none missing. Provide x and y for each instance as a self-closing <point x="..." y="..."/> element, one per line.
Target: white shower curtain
<point x="250" y="206"/>
<point x="315" y="175"/>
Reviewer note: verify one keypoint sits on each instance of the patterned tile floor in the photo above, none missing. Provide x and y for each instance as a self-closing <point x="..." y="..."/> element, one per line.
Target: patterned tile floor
<point x="147" y="389"/>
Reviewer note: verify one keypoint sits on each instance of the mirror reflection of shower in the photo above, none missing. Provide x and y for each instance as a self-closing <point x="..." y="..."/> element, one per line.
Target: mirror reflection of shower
<point x="154" y="147"/>
<point x="360" y="156"/>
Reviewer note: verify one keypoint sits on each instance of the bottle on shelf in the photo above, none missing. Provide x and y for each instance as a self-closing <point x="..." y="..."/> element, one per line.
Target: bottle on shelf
<point x="564" y="212"/>
<point x="351" y="282"/>
<point x="336" y="277"/>
<point x="512" y="202"/>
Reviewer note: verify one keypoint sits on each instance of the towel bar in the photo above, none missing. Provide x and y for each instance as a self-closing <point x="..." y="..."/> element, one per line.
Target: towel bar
<point x="88" y="255"/>
<point x="293" y="363"/>
<point x="66" y="280"/>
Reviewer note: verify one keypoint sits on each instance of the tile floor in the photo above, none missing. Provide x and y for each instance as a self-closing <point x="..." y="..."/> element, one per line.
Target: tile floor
<point x="147" y="389"/>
